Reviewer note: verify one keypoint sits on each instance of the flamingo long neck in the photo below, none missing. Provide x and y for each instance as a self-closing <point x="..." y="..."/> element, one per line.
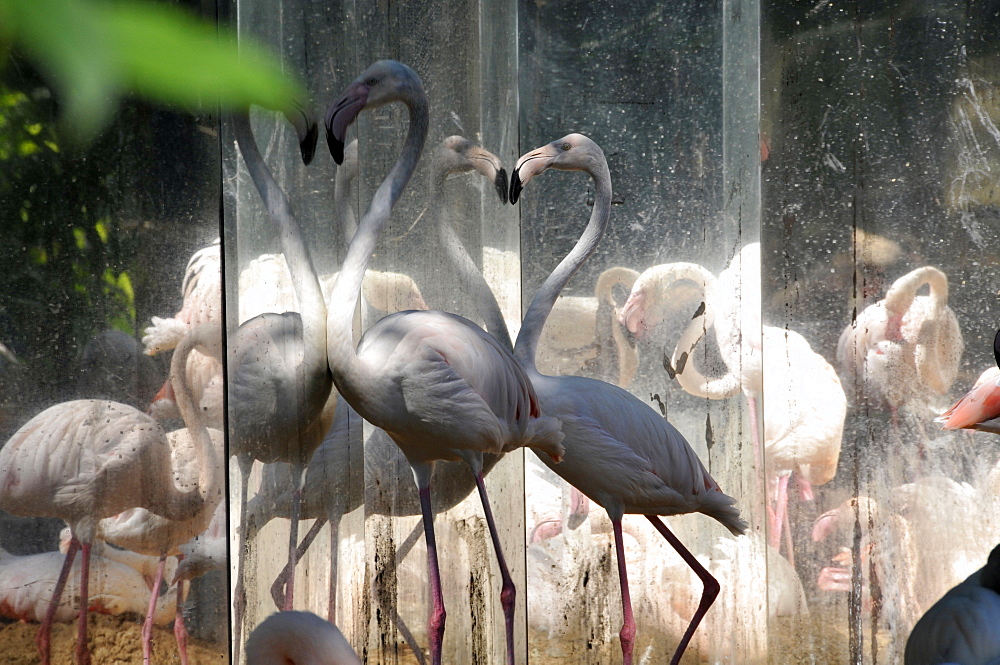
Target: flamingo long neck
<point x="312" y="306"/>
<point x="477" y="287"/>
<point x="682" y="360"/>
<point x="900" y="295"/>
<point x="628" y="355"/>
<point x="183" y="505"/>
<point x="343" y="212"/>
<point x="342" y="356"/>
<point x="541" y="305"/>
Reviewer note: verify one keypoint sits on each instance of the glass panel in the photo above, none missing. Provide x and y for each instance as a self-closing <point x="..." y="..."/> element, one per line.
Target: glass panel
<point x="96" y="240"/>
<point x="878" y="220"/>
<point x="668" y="92"/>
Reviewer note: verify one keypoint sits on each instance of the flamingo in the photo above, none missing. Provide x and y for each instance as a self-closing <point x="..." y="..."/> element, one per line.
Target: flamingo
<point x="964" y="625"/>
<point x="117" y="585"/>
<point x="583" y="333"/>
<point x="980" y="407"/>
<point x="907" y="346"/>
<point x="439" y="386"/>
<point x="619" y="452"/>
<point x="145" y="532"/>
<point x="85" y="460"/>
<point x="325" y="492"/>
<point x="806" y="404"/>
<point x="279" y="383"/>
<point x="201" y="302"/>
<point x="299" y="638"/>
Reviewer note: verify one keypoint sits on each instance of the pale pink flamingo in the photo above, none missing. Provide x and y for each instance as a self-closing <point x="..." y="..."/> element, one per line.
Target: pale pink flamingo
<point x="438" y="385"/>
<point x="85" y="460"/>
<point x="279" y="384"/>
<point x="906" y="347"/>
<point x="964" y="625"/>
<point x="145" y="532"/>
<point x="326" y="496"/>
<point x="201" y="302"/>
<point x="980" y="407"/>
<point x="298" y="638"/>
<point x="805" y="402"/>
<point x="619" y="451"/>
<point x="117" y="585"/>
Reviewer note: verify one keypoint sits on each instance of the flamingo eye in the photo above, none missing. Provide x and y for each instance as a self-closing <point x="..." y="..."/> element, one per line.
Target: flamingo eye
<point x="566" y="146"/>
<point x="370" y="82"/>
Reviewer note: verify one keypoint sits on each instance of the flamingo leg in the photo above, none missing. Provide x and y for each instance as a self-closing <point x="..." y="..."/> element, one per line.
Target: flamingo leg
<point x="240" y="592"/>
<point x="42" y="640"/>
<point x="780" y="510"/>
<point x="293" y="539"/>
<point x="627" y="633"/>
<point x="278" y="586"/>
<point x="82" y="651"/>
<point x="180" y="630"/>
<point x="435" y="624"/>
<point x="789" y="548"/>
<point x="708" y="596"/>
<point x="147" y="625"/>
<point x="507" y="590"/>
<point x="331" y="599"/>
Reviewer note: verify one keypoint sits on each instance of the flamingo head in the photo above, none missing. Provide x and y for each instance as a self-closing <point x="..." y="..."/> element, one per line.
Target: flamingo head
<point x="573" y="152"/>
<point x="383" y="82"/>
<point x="457" y="154"/>
<point x="306" y="128"/>
<point x="633" y="314"/>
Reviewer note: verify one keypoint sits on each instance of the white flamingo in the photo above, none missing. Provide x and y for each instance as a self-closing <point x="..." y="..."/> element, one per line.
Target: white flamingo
<point x="27" y="583"/>
<point x="438" y="385"/>
<point x="805" y="402"/>
<point x="85" y="460"/>
<point x="298" y="638"/>
<point x="964" y="625"/>
<point x="906" y="347"/>
<point x="145" y="532"/>
<point x="619" y="452"/>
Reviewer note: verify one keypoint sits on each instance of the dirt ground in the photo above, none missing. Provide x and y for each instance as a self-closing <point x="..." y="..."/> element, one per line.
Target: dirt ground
<point x="114" y="640"/>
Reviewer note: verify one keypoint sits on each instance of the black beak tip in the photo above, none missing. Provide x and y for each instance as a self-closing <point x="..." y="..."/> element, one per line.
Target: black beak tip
<point x="307" y="146"/>
<point x="500" y="182"/>
<point x="336" y="147"/>
<point x="996" y="348"/>
<point x="515" y="188"/>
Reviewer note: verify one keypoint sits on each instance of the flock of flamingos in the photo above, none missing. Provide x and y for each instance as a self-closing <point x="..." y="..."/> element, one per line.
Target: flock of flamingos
<point x="449" y="398"/>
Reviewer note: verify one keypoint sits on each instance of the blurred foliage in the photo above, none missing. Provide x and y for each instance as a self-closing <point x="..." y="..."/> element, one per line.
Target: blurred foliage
<point x="95" y="52"/>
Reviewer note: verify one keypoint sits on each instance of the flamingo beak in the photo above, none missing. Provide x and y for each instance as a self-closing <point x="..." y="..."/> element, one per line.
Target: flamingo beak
<point x="306" y="128"/>
<point x="632" y="313"/>
<point x="489" y="166"/>
<point x="340" y="115"/>
<point x="579" y="508"/>
<point x="824" y="526"/>
<point x="528" y="167"/>
<point x="500" y="182"/>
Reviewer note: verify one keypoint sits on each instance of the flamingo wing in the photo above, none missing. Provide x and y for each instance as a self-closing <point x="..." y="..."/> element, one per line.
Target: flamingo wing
<point x="980" y="404"/>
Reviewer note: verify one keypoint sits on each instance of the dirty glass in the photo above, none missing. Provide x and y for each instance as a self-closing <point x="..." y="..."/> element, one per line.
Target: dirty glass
<point x="96" y="242"/>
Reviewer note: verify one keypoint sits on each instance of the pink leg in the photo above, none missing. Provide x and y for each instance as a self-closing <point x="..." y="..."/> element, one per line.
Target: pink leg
<point x="789" y="548"/>
<point x="45" y="630"/>
<point x="780" y="508"/>
<point x="707" y="597"/>
<point x="507" y="590"/>
<point x="82" y="651"/>
<point x="435" y="627"/>
<point x="180" y="630"/>
<point x="147" y="625"/>
<point x="627" y="634"/>
<point x="240" y="592"/>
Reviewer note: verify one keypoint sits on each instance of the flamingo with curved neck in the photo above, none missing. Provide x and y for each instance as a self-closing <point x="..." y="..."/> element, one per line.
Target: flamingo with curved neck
<point x="439" y="386"/>
<point x="906" y="346"/>
<point x="619" y="451"/>
<point x="805" y="402"/>
<point x="279" y="382"/>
